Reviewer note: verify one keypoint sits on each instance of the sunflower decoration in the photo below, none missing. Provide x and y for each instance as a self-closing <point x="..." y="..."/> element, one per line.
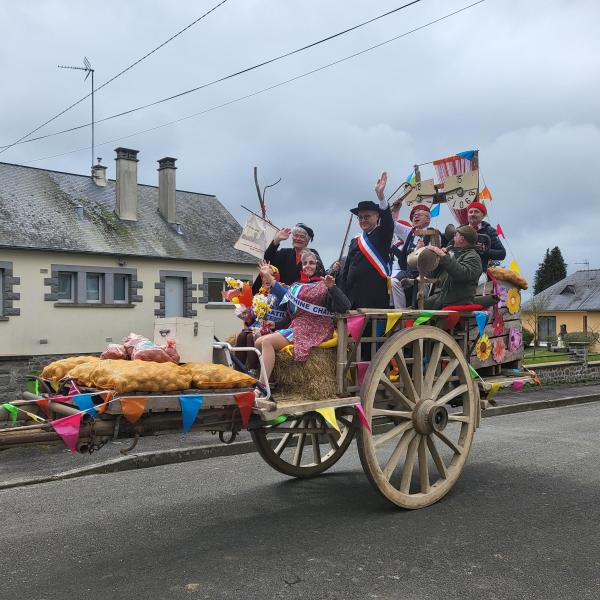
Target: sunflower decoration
<point x="514" y="339"/>
<point x="484" y="347"/>
<point x="499" y="350"/>
<point x="513" y="301"/>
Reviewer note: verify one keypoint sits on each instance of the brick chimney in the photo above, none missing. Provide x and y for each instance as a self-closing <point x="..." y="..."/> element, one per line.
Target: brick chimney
<point x="167" y="203"/>
<point x="99" y="174"/>
<point x="127" y="196"/>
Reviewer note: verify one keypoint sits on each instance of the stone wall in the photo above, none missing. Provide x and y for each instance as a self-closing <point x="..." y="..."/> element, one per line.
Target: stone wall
<point x="14" y="370"/>
<point x="567" y="372"/>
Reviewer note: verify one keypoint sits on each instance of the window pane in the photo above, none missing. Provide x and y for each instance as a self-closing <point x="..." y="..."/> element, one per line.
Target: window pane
<point x="215" y="287"/>
<point x="121" y="286"/>
<point x="1" y="293"/>
<point x="93" y="287"/>
<point x="65" y="285"/>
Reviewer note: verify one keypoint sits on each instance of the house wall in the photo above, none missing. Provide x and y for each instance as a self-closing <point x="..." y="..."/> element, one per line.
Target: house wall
<point x="45" y="328"/>
<point x="572" y="319"/>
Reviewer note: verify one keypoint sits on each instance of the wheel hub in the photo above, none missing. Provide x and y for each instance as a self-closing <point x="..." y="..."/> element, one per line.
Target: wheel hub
<point x="428" y="417"/>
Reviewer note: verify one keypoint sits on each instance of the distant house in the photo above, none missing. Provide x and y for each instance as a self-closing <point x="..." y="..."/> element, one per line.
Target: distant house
<point x="574" y="301"/>
<point x="85" y="260"/>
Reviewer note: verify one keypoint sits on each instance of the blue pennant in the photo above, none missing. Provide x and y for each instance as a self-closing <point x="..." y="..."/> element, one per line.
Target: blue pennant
<point x="435" y="211"/>
<point x="84" y="402"/>
<point x="481" y="317"/>
<point x="468" y="154"/>
<point x="190" y="405"/>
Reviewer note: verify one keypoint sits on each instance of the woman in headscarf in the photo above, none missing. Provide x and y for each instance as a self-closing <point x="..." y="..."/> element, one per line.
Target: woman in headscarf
<point x="310" y="303"/>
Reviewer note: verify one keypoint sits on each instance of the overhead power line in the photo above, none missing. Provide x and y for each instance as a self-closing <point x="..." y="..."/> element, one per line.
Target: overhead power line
<point x="225" y="77"/>
<point x="137" y="62"/>
<point x="269" y="88"/>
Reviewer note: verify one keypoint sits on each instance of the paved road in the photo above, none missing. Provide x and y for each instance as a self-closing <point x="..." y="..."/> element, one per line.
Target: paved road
<point x="521" y="523"/>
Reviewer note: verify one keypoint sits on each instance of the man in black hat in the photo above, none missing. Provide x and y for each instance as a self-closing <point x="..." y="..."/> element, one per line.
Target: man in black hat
<point x="366" y="269"/>
<point x="289" y="260"/>
<point x="458" y="272"/>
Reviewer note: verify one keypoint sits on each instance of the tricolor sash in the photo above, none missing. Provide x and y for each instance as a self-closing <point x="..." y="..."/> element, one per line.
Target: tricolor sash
<point x="371" y="254"/>
<point x="293" y="296"/>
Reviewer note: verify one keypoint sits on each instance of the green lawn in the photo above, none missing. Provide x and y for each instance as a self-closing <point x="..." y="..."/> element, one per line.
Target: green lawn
<point x="543" y="356"/>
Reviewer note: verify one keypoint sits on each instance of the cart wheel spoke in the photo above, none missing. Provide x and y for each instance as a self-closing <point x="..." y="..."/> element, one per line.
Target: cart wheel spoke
<point x="409" y="386"/>
<point x="384" y="438"/>
<point x="409" y="464"/>
<point x="443" y="378"/>
<point x="315" y="443"/>
<point x="454" y="447"/>
<point x="396" y="393"/>
<point x="457" y="391"/>
<point x="285" y="440"/>
<point x="459" y="418"/>
<point x="400" y="449"/>
<point x="437" y="459"/>
<point x="417" y="367"/>
<point x="397" y="414"/>
<point x="298" y="451"/>
<point x="423" y="466"/>
<point x="432" y="366"/>
<point x="332" y="440"/>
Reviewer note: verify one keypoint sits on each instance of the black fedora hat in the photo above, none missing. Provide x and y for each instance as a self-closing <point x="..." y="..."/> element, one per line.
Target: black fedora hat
<point x="365" y="205"/>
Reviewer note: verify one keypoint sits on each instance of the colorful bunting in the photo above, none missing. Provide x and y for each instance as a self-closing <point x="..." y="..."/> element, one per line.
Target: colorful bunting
<point x="435" y="211"/>
<point x="485" y="194"/>
<point x="517" y="385"/>
<point x="74" y="389"/>
<point x="468" y="154"/>
<point x="13" y="410"/>
<point x="190" y="405"/>
<point x="380" y="329"/>
<point x="425" y="316"/>
<point x="499" y="231"/>
<point x="84" y="402"/>
<point x="493" y="391"/>
<point x="245" y="402"/>
<point x="133" y="407"/>
<point x="451" y="320"/>
<point x="361" y="369"/>
<point x="355" y="326"/>
<point x="33" y="417"/>
<point x="277" y="420"/>
<point x="513" y="266"/>
<point x="473" y="372"/>
<point x="68" y="429"/>
<point x="362" y="417"/>
<point x="412" y="178"/>
<point x="481" y="318"/>
<point x="44" y="403"/>
<point x="329" y="415"/>
<point x="392" y="319"/>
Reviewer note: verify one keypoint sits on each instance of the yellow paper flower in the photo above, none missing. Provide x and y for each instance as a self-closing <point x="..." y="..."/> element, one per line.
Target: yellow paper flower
<point x="261" y="305"/>
<point x="513" y="301"/>
<point x="233" y="283"/>
<point x="484" y="347"/>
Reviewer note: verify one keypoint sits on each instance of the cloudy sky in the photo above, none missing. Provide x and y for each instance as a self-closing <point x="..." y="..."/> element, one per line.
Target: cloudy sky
<point x="520" y="81"/>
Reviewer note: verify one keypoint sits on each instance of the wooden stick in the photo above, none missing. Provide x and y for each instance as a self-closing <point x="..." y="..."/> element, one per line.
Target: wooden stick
<point x="345" y="238"/>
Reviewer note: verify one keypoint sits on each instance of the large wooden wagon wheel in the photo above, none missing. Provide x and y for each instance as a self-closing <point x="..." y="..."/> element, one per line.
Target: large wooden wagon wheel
<point x="422" y="453"/>
<point x="305" y="445"/>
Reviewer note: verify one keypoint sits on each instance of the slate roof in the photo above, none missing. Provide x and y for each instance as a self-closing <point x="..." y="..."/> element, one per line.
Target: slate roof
<point x="579" y="291"/>
<point x="38" y="211"/>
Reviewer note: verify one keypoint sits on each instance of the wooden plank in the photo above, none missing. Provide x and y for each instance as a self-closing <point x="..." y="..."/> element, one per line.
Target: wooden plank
<point x="296" y="405"/>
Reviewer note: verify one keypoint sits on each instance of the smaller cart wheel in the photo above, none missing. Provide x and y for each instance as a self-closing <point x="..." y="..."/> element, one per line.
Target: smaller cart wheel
<point x="305" y="445"/>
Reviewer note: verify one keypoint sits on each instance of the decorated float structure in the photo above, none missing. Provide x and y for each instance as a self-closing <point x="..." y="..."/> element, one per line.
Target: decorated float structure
<point x="413" y="407"/>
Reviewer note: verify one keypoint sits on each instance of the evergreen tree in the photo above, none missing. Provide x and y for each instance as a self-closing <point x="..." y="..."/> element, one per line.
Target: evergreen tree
<point x="551" y="270"/>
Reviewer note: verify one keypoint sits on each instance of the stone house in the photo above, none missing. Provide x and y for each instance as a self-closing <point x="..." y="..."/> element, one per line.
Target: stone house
<point x="85" y="260"/>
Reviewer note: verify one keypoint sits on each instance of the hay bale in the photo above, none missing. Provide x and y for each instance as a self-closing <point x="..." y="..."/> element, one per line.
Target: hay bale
<point x="312" y="380"/>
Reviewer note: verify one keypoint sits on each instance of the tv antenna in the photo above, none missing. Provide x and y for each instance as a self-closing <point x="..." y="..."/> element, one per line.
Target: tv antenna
<point x="585" y="262"/>
<point x="87" y="67"/>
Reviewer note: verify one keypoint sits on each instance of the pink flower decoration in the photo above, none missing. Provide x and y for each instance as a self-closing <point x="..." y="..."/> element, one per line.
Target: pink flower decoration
<point x="498" y="324"/>
<point x="499" y="350"/>
<point x="514" y="339"/>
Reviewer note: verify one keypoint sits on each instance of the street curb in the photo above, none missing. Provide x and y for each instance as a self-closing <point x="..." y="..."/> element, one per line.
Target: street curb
<point x="144" y="460"/>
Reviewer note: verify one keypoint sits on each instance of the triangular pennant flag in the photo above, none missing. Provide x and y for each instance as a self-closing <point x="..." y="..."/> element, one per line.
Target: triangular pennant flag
<point x="412" y="178"/>
<point x="425" y="316"/>
<point x="133" y="407"/>
<point x="13" y="410"/>
<point x="468" y="154"/>
<point x="517" y="385"/>
<point x="355" y="325"/>
<point x="33" y="385"/>
<point x="473" y="372"/>
<point x="245" y="402"/>
<point x="106" y="398"/>
<point x="74" y="389"/>
<point x="481" y="318"/>
<point x="435" y="211"/>
<point x="277" y="420"/>
<point x="451" y="320"/>
<point x="329" y="415"/>
<point x="513" y="266"/>
<point x="190" y="405"/>
<point x="380" y="329"/>
<point x="493" y="391"/>
<point x="499" y="231"/>
<point x="485" y="193"/>
<point x="33" y="417"/>
<point x="68" y="429"/>
<point x="409" y="323"/>
<point x="392" y="319"/>
<point x="360" y="411"/>
<point x="84" y="402"/>
<point x="45" y="404"/>
<point x="361" y="369"/>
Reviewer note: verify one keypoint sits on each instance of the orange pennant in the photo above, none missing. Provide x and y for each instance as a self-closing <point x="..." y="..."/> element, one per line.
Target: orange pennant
<point x="485" y="193"/>
<point x="44" y="404"/>
<point x="107" y="397"/>
<point x="245" y="402"/>
<point x="133" y="407"/>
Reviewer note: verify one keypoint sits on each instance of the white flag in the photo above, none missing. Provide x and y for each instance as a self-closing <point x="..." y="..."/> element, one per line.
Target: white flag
<point x="256" y="236"/>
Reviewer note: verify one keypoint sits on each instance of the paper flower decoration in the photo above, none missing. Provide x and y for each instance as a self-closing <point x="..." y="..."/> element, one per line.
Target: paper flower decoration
<point x="513" y="301"/>
<point x="499" y="350"/>
<point x="498" y="324"/>
<point x="502" y="294"/>
<point x="233" y="283"/>
<point x="514" y="339"/>
<point x="484" y="347"/>
<point x="261" y="305"/>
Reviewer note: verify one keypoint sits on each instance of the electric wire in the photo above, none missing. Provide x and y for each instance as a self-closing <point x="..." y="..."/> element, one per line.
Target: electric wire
<point x="269" y="88"/>
<point x="221" y="79"/>
<point x="137" y="62"/>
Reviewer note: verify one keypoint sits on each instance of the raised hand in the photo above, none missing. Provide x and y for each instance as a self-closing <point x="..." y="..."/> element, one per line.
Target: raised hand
<point x="329" y="281"/>
<point x="264" y="269"/>
<point x="380" y="186"/>
<point x="335" y="267"/>
<point x="282" y="234"/>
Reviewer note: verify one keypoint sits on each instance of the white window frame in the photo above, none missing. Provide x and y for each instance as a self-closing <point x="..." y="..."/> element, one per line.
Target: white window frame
<point x="127" y="279"/>
<point x="73" y="276"/>
<point x="1" y="292"/>
<point x="100" y="277"/>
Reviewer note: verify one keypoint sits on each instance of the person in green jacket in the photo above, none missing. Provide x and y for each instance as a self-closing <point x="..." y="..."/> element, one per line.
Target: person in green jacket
<point x="458" y="272"/>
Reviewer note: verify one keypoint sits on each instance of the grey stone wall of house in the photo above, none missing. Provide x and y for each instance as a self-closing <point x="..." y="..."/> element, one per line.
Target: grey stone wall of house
<point x="14" y="371"/>
<point x="567" y="372"/>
